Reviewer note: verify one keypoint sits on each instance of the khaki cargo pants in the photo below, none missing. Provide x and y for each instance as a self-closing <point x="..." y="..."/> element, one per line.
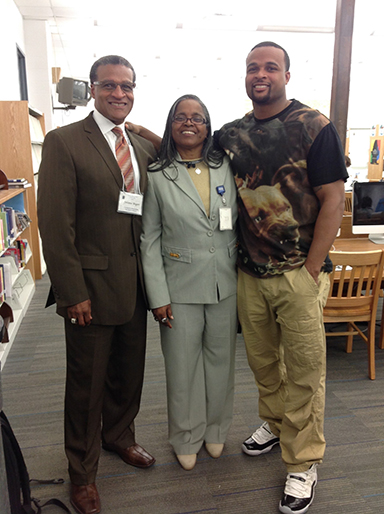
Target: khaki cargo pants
<point x="282" y="323"/>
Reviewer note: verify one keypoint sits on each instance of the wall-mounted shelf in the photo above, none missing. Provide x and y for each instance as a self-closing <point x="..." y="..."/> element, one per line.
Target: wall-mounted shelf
<point x="22" y="132"/>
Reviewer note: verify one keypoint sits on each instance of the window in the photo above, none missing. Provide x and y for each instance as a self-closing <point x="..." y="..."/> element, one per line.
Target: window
<point x="22" y="74"/>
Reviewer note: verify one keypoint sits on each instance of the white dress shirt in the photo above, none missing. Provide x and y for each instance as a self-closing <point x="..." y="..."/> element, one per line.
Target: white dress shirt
<point x="106" y="126"/>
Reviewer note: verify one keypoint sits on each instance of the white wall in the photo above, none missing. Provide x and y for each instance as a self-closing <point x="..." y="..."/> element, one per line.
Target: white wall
<point x="34" y="40"/>
<point x="38" y="45"/>
<point x="11" y="34"/>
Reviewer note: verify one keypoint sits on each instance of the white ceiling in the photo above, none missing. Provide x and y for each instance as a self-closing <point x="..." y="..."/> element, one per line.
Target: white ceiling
<point x="200" y="47"/>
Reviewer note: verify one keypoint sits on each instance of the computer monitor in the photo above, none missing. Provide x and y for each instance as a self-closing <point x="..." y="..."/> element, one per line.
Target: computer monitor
<point x="368" y="210"/>
<point x="73" y="91"/>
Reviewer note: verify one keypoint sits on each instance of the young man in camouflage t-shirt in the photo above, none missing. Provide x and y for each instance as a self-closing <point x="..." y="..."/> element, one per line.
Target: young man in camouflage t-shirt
<point x="289" y="168"/>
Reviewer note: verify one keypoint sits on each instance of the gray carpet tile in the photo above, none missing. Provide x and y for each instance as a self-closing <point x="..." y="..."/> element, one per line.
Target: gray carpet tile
<point x="351" y="479"/>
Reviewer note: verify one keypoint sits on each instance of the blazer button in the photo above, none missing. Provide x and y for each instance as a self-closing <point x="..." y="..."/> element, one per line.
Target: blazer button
<point x="212" y="249"/>
<point x="213" y="217"/>
<point x="210" y="233"/>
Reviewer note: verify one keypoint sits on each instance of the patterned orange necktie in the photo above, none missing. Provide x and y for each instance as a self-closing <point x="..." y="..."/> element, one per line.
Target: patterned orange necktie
<point x="124" y="159"/>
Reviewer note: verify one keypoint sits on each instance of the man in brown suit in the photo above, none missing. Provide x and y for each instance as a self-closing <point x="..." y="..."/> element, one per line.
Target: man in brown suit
<point x="92" y="256"/>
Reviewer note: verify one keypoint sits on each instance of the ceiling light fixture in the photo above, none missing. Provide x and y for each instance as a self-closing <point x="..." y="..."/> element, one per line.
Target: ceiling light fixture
<point x="284" y="28"/>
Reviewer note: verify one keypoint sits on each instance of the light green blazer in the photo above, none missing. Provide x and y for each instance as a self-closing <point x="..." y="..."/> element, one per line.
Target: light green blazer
<point x="186" y="257"/>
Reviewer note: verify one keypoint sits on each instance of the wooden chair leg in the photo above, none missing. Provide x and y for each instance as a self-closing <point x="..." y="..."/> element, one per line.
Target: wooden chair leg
<point x="371" y="350"/>
<point x="349" y="345"/>
<point x="381" y="339"/>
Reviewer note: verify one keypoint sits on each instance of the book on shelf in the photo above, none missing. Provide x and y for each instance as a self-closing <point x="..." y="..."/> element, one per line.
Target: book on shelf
<point x="14" y="252"/>
<point x="18" y="183"/>
<point x="2" y="240"/>
<point x="11" y="220"/>
<point x="22" y="220"/>
<point x="22" y="245"/>
<point x="5" y="235"/>
<point x="14" y="222"/>
<point x="2" y="285"/>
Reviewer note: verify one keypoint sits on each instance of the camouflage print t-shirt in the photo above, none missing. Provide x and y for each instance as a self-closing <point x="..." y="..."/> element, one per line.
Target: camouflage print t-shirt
<point x="276" y="163"/>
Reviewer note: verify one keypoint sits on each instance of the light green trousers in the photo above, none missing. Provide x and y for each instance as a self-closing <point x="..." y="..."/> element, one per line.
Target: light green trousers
<point x="282" y="323"/>
<point x="199" y="355"/>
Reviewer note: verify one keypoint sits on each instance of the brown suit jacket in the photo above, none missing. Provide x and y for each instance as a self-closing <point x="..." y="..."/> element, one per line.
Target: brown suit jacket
<point x="91" y="250"/>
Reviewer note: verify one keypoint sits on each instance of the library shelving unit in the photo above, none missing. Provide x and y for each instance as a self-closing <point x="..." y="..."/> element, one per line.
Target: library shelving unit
<point x="22" y="133"/>
<point x="375" y="159"/>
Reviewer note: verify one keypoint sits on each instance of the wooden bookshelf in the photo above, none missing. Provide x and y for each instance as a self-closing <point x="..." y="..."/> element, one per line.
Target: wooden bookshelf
<point x="22" y="132"/>
<point x="16" y="162"/>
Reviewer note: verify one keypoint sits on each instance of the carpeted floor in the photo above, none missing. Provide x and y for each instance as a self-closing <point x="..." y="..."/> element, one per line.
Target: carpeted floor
<point x="351" y="479"/>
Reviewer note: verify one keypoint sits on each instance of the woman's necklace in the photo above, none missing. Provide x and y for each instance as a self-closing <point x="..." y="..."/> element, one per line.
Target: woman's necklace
<point x="192" y="164"/>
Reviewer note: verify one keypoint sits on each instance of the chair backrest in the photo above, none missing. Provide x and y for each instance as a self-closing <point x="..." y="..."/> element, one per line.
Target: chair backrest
<point x="355" y="285"/>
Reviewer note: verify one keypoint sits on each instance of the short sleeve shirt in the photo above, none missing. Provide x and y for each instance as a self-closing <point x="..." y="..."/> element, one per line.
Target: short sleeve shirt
<point x="276" y="163"/>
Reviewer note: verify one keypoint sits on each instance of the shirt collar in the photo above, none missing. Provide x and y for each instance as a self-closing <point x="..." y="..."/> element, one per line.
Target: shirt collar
<point x="106" y="125"/>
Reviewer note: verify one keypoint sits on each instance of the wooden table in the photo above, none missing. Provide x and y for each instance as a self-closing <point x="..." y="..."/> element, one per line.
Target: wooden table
<point x="361" y="244"/>
<point x="355" y="244"/>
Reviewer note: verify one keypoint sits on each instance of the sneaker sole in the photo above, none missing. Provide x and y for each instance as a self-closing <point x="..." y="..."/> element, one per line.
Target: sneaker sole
<point x="254" y="453"/>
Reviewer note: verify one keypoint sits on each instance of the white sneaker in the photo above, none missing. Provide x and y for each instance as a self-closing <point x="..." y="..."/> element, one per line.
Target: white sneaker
<point x="299" y="491"/>
<point x="261" y="441"/>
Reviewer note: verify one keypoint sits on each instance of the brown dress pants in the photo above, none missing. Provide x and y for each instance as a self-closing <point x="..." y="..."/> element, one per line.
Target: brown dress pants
<point x="105" y="369"/>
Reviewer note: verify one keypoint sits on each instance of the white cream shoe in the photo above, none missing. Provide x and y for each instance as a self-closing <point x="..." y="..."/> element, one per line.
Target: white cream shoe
<point x="214" y="449"/>
<point x="187" y="461"/>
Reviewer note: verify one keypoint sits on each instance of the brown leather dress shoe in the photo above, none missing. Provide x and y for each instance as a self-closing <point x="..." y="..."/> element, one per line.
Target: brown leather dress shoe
<point x="134" y="455"/>
<point x="85" y="499"/>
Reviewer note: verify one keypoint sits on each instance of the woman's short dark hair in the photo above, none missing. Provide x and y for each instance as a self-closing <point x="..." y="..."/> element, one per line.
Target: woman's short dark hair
<point x="110" y="59"/>
<point x="168" y="152"/>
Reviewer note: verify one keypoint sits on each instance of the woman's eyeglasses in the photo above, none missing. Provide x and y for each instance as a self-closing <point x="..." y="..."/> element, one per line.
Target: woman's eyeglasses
<point x="196" y="120"/>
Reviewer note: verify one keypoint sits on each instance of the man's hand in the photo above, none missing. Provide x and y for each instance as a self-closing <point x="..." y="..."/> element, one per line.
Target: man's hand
<point x="313" y="272"/>
<point x="331" y="198"/>
<point x="163" y="315"/>
<point x="81" y="312"/>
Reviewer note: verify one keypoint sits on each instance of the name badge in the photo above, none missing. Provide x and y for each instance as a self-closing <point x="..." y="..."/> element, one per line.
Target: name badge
<point x="225" y="218"/>
<point x="130" y="203"/>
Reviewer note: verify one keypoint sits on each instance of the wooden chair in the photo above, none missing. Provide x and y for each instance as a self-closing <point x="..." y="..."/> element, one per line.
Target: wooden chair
<point x="348" y="202"/>
<point x="353" y="296"/>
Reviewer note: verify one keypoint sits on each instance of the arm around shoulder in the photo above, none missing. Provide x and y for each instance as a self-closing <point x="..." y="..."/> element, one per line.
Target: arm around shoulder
<point x="145" y="133"/>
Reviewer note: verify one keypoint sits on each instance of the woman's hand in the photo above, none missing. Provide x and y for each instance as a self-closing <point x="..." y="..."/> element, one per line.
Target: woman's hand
<point x="145" y="133"/>
<point x="163" y="315"/>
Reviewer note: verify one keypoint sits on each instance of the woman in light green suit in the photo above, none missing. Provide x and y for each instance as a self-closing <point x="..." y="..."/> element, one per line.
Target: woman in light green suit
<point x="189" y="249"/>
